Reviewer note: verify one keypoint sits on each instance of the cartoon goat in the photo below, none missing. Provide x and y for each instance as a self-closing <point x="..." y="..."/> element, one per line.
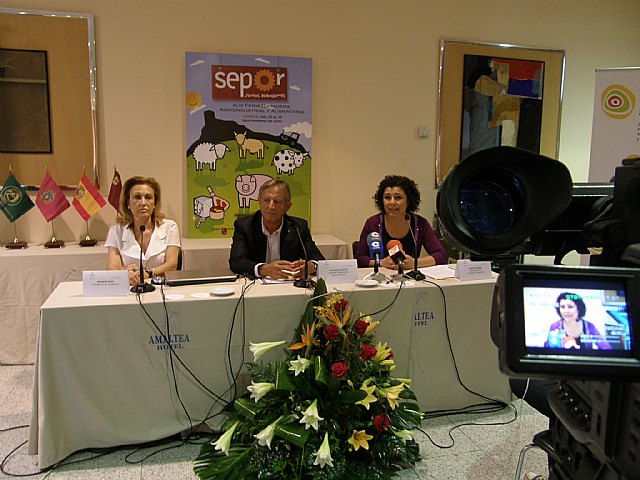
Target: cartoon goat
<point x="251" y="145"/>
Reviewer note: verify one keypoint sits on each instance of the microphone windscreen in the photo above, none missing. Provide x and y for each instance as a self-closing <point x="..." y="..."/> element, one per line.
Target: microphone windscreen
<point x="142" y="228"/>
<point x="394" y="245"/>
<point x="407" y="217"/>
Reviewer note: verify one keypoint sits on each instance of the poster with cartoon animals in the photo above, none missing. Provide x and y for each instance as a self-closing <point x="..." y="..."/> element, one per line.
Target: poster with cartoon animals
<point x="248" y="120"/>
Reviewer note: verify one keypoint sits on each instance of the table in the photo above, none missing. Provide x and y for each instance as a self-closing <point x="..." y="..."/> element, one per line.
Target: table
<point x="200" y="252"/>
<point x="27" y="278"/>
<point x="103" y="374"/>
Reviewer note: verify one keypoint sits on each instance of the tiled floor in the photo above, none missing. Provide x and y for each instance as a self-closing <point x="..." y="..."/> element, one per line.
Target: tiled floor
<point x="483" y="452"/>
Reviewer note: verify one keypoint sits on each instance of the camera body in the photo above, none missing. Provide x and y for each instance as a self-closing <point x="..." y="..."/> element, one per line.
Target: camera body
<point x="506" y="202"/>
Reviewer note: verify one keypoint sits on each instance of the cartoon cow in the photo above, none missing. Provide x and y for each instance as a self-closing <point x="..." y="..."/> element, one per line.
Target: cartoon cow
<point x="251" y="145"/>
<point x="286" y="161"/>
<point x="248" y="187"/>
<point x="209" y="153"/>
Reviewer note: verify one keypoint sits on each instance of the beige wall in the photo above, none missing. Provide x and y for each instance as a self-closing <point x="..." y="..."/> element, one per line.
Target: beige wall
<point x="375" y="79"/>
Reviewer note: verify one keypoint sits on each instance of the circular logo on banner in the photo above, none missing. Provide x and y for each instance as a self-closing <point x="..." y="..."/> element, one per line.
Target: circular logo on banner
<point x="11" y="196"/>
<point x="618" y="102"/>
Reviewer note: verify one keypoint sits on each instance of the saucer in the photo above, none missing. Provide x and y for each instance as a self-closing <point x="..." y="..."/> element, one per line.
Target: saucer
<point x="222" y="292"/>
<point x="173" y="296"/>
<point x="367" y="283"/>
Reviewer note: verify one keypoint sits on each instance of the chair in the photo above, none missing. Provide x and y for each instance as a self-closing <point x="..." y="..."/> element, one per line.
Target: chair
<point x="541" y="440"/>
<point x="354" y="248"/>
<point x="179" y="265"/>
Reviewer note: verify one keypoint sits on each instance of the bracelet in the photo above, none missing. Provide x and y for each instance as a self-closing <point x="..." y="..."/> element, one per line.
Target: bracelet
<point x="149" y="272"/>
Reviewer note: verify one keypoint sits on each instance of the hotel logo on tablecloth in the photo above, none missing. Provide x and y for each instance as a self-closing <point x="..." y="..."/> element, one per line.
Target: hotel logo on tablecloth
<point x="176" y="340"/>
<point x="233" y="82"/>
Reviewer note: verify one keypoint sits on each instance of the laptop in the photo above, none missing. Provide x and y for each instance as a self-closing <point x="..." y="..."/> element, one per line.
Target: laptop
<point x="196" y="277"/>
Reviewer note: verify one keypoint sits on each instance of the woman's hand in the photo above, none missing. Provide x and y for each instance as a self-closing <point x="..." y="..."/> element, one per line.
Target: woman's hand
<point x="134" y="276"/>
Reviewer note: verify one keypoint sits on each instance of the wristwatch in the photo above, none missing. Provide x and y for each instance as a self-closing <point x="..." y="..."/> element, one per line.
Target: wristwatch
<point x="149" y="272"/>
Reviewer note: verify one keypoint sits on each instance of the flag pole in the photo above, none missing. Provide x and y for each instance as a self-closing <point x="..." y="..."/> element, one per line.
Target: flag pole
<point x="53" y="243"/>
<point x="88" y="241"/>
<point x="16" y="244"/>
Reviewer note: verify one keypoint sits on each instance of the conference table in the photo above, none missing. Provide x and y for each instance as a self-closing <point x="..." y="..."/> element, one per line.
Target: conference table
<point x="28" y="276"/>
<point x="105" y="376"/>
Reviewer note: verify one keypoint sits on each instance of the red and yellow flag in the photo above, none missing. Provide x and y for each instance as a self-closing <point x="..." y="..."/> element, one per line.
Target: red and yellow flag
<point x="87" y="199"/>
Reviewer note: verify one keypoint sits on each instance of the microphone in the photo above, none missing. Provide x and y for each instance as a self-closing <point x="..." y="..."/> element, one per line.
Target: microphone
<point x="394" y="247"/>
<point x="305" y="281"/>
<point x="142" y="287"/>
<point x="375" y="249"/>
<point x="415" y="273"/>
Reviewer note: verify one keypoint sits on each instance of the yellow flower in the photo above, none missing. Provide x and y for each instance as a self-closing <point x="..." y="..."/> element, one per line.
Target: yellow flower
<point x="370" y="398"/>
<point x="360" y="439"/>
<point x="372" y="325"/>
<point x="224" y="441"/>
<point x="391" y="394"/>
<point x="259" y="349"/>
<point x="403" y="435"/>
<point x="382" y="352"/>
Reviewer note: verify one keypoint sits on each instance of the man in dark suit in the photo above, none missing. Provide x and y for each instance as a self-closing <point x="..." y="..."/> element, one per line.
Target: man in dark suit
<point x="266" y="243"/>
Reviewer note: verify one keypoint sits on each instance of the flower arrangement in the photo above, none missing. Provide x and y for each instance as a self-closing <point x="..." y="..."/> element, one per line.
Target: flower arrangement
<point x="331" y="410"/>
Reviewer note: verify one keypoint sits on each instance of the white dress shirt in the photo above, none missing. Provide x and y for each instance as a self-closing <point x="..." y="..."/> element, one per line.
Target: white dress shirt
<point x="164" y="235"/>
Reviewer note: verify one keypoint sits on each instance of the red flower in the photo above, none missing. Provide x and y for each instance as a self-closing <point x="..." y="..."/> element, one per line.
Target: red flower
<point x="390" y="354"/>
<point x="331" y="332"/>
<point x="341" y="305"/>
<point x="381" y="422"/>
<point x="339" y="369"/>
<point x="367" y="352"/>
<point x="360" y="327"/>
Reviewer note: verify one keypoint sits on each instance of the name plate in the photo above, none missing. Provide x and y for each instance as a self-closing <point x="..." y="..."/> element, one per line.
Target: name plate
<point x="468" y="270"/>
<point x="105" y="283"/>
<point x="338" y="271"/>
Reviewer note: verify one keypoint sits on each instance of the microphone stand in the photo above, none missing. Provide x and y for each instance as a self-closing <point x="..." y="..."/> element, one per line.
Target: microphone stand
<point x="416" y="274"/>
<point x="142" y="287"/>
<point x="305" y="281"/>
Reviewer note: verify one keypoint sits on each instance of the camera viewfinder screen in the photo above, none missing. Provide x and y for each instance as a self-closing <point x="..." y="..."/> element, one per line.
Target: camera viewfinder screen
<point x="576" y="318"/>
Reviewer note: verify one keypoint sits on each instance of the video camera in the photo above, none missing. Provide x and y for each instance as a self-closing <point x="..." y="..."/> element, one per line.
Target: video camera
<point x="506" y="202"/>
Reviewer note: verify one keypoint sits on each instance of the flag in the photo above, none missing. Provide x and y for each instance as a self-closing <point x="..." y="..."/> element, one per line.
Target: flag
<point x="14" y="201"/>
<point x="50" y="200"/>
<point x="87" y="199"/>
<point x="114" y="191"/>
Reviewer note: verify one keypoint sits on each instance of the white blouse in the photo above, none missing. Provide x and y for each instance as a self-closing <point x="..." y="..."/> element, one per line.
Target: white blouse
<point x="164" y="235"/>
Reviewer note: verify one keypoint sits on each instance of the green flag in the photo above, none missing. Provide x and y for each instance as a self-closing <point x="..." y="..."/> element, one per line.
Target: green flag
<point x="14" y="201"/>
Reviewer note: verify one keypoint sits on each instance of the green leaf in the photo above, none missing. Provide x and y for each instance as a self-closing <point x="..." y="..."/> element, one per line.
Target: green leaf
<point x="320" y="370"/>
<point x="214" y="464"/>
<point x="283" y="379"/>
<point x="408" y="394"/>
<point x="351" y="396"/>
<point x="292" y="434"/>
<point x="246" y="408"/>
<point x="406" y="416"/>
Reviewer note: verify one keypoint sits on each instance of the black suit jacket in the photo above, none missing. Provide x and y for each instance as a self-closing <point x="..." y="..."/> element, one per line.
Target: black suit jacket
<point x="249" y="245"/>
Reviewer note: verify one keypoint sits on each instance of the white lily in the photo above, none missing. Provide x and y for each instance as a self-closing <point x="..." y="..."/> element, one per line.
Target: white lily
<point x="310" y="416"/>
<point x="266" y="435"/>
<point x="403" y="435"/>
<point x="300" y="365"/>
<point x="259" y="390"/>
<point x="323" y="455"/>
<point x="259" y="349"/>
<point x="224" y="441"/>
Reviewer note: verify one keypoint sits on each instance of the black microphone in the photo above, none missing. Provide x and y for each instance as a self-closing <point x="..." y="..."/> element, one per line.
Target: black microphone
<point x="142" y="287"/>
<point x="415" y="273"/>
<point x="305" y="281"/>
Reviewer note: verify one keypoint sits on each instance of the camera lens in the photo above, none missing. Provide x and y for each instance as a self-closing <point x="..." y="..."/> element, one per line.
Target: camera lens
<point x="490" y="206"/>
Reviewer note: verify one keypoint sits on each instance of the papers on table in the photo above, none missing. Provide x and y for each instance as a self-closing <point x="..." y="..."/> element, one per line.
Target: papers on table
<point x="439" y="272"/>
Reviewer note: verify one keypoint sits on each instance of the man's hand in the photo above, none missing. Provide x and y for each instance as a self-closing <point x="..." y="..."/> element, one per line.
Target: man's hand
<point x="280" y="269"/>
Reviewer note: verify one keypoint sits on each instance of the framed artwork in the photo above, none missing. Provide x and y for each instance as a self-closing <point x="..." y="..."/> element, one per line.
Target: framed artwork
<point x="494" y="94"/>
<point x="48" y="96"/>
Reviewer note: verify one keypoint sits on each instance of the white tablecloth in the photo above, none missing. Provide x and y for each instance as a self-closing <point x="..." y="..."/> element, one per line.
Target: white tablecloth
<point x="27" y="278"/>
<point x="103" y="375"/>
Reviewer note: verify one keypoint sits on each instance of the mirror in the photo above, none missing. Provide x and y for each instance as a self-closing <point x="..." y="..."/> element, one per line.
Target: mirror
<point x="48" y="84"/>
